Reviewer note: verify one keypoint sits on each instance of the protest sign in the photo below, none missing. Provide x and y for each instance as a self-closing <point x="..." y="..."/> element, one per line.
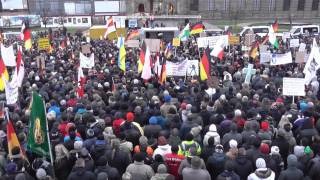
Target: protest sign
<point x="41" y="64"/>
<point x="293" y="87"/>
<point x="193" y="68"/>
<point x="8" y="56"/>
<point x="153" y="44"/>
<point x="203" y="34"/>
<point x="279" y="59"/>
<point x="86" y="49"/>
<point x="234" y="40"/>
<point x="86" y="62"/>
<point x="300" y="57"/>
<point x="12" y="93"/>
<point x="176" y="42"/>
<point x="302" y="47"/>
<point x="294" y="43"/>
<point x="265" y="57"/>
<point x="43" y="44"/>
<point x="249" y="39"/>
<point x="132" y="43"/>
<point x="211" y="41"/>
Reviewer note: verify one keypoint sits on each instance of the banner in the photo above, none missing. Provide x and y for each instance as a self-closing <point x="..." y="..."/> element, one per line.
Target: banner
<point x="249" y="39"/>
<point x="293" y="87"/>
<point x="302" y="47"/>
<point x="191" y="67"/>
<point x="313" y="63"/>
<point x="211" y="41"/>
<point x="294" y="43"/>
<point x="234" y="40"/>
<point x="8" y="56"/>
<point x="43" y="44"/>
<point x="279" y="59"/>
<point x="265" y="57"/>
<point x="300" y="57"/>
<point x="132" y="43"/>
<point x="86" y="62"/>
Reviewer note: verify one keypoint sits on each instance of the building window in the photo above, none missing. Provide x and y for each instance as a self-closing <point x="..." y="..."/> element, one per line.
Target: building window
<point x="256" y="5"/>
<point x="211" y="5"/>
<point x="315" y="5"/>
<point x="301" y="4"/>
<point x="272" y="5"/>
<point x="194" y="5"/>
<point x="242" y="4"/>
<point x="286" y="5"/>
<point x="226" y="5"/>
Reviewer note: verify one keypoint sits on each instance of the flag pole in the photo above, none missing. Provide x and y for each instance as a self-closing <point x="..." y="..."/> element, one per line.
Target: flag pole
<point x="49" y="142"/>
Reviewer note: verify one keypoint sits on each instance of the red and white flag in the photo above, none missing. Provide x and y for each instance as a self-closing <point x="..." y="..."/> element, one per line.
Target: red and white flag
<point x="146" y="71"/>
<point x="81" y="83"/>
<point x="218" y="50"/>
<point x="18" y="74"/>
<point x="110" y="27"/>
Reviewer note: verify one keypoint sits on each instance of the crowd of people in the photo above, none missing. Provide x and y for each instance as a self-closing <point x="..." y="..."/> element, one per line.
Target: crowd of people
<point x="128" y="128"/>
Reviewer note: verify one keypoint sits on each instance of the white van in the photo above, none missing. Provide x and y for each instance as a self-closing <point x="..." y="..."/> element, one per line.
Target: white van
<point x="304" y="29"/>
<point x="165" y="33"/>
<point x="258" y="30"/>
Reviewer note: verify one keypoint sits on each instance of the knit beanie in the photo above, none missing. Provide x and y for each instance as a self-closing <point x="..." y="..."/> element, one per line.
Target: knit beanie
<point x="261" y="163"/>
<point x="233" y="143"/>
<point x="162" y="169"/>
<point x="264" y="125"/>
<point x="275" y="150"/>
<point x="41" y="173"/>
<point x="130" y="116"/>
<point x="264" y="148"/>
<point x="195" y="162"/>
<point x="298" y="151"/>
<point x="292" y="160"/>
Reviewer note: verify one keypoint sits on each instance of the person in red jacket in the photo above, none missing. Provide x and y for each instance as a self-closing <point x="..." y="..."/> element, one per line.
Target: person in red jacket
<point x="173" y="161"/>
<point x="117" y="123"/>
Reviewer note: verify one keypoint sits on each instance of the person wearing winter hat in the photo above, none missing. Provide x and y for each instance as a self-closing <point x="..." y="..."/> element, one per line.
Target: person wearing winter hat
<point x="262" y="172"/>
<point x="164" y="108"/>
<point x="132" y="130"/>
<point x="292" y="172"/>
<point x="79" y="172"/>
<point x="162" y="173"/>
<point x="264" y="133"/>
<point x="11" y="171"/>
<point x="229" y="173"/>
<point x="264" y="149"/>
<point x="211" y="133"/>
<point x="163" y="147"/>
<point x="233" y="150"/>
<point x="143" y="146"/>
<point x="41" y="174"/>
<point x="138" y="169"/>
<point x="152" y="130"/>
<point x="195" y="171"/>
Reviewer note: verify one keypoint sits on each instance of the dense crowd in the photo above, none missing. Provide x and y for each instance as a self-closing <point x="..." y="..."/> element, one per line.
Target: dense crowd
<point x="132" y="129"/>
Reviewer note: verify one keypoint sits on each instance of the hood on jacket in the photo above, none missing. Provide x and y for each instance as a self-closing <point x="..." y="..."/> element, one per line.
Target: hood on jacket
<point x="263" y="173"/>
<point x="165" y="147"/>
<point x="213" y="128"/>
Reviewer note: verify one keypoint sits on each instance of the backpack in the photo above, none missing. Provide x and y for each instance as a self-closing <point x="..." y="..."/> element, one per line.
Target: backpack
<point x="219" y="160"/>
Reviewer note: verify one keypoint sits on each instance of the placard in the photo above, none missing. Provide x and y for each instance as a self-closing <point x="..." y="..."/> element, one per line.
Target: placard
<point x="176" y="42"/>
<point x="234" y="40"/>
<point x="43" y="44"/>
<point x="191" y="67"/>
<point x="294" y="43"/>
<point x="279" y="59"/>
<point x="293" y="87"/>
<point x="153" y="44"/>
<point x="302" y="47"/>
<point x="86" y="49"/>
<point x="265" y="57"/>
<point x="249" y="39"/>
<point x="203" y="42"/>
<point x="300" y="57"/>
<point x="41" y="64"/>
<point x="132" y="43"/>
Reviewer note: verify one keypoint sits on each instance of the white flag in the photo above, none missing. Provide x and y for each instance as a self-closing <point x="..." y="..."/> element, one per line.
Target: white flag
<point x="8" y="55"/>
<point x="12" y="93"/>
<point x="86" y="62"/>
<point x="313" y="63"/>
<point x="146" y="71"/>
<point x="18" y="74"/>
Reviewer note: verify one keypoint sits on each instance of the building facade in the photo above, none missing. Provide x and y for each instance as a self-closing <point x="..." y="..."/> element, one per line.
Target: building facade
<point x="208" y="9"/>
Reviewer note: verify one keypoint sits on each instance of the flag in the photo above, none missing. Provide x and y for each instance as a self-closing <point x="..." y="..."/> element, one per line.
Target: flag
<point x="122" y="56"/>
<point x="12" y="138"/>
<point x="254" y="50"/>
<point x="168" y="51"/>
<point x="218" y="50"/>
<point x="18" y="74"/>
<point x="4" y="76"/>
<point x="163" y="74"/>
<point x="197" y="28"/>
<point x="185" y="33"/>
<point x="81" y="83"/>
<point x="275" y="26"/>
<point x="146" y="71"/>
<point x="205" y="65"/>
<point x="157" y="66"/>
<point x="273" y="38"/>
<point x="141" y="57"/>
<point x="133" y="35"/>
<point x="26" y="35"/>
<point x="8" y="56"/>
<point x="38" y="139"/>
<point x="110" y="27"/>
<point x="313" y="63"/>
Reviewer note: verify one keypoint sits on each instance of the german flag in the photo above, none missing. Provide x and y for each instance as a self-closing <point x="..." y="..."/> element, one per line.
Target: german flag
<point x="275" y="26"/>
<point x="4" y="76"/>
<point x="26" y="35"/>
<point x="163" y="75"/>
<point x="197" y="28"/>
<point x="133" y="35"/>
<point x="141" y="57"/>
<point x="205" y="65"/>
<point x="12" y="139"/>
<point x="254" y="50"/>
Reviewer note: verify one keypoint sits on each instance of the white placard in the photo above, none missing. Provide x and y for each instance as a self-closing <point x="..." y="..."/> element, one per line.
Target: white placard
<point x="302" y="47"/>
<point x="86" y="62"/>
<point x="191" y="67"/>
<point x="279" y="59"/>
<point x="265" y="57"/>
<point x="203" y="42"/>
<point x="8" y="56"/>
<point x="294" y="43"/>
<point x="293" y="87"/>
